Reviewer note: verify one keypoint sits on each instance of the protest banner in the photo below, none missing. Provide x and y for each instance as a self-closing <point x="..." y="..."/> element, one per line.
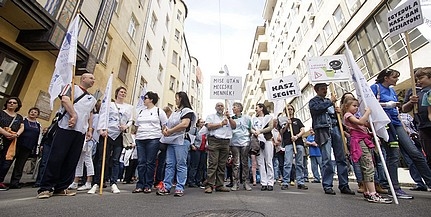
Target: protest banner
<point x="324" y="69"/>
<point x="282" y="88"/>
<point x="404" y="17"/>
<point x="226" y="87"/>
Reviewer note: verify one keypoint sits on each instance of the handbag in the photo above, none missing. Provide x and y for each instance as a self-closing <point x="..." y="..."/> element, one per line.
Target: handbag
<point x="1" y="136"/>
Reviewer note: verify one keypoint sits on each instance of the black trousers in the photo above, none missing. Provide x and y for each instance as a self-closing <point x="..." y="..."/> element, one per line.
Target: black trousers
<point x="62" y="160"/>
<point x="21" y="156"/>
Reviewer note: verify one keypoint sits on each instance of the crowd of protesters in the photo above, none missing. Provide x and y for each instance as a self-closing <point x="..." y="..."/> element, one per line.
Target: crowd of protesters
<point x="174" y="149"/>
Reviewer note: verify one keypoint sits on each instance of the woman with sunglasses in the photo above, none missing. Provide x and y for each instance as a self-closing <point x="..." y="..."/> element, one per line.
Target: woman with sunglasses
<point x="388" y="99"/>
<point x="11" y="127"/>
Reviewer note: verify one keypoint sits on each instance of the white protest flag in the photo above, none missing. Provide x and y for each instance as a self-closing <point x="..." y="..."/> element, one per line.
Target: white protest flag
<point x="66" y="59"/>
<point x="367" y="98"/>
<point x="106" y="104"/>
<point x="140" y="106"/>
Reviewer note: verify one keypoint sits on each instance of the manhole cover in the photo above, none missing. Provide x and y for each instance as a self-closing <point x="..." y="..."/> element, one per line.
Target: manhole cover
<point x="226" y="213"/>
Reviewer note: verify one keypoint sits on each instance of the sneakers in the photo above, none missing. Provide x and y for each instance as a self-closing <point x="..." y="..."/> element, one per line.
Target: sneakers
<point x="292" y="183"/>
<point x="302" y="186"/>
<point x="315" y="181"/>
<point x="65" y="192"/>
<point x="73" y="186"/>
<point x="178" y="193"/>
<point x="147" y="190"/>
<point x="222" y="189"/>
<point x="93" y="189"/>
<point x="247" y="187"/>
<point x="376" y="198"/>
<point x="270" y="188"/>
<point x="208" y="190"/>
<point x="401" y="194"/>
<point x="44" y="195"/>
<point x="3" y="187"/>
<point x="284" y="187"/>
<point x="163" y="191"/>
<point x="114" y="189"/>
<point x="235" y="187"/>
<point x="85" y="187"/>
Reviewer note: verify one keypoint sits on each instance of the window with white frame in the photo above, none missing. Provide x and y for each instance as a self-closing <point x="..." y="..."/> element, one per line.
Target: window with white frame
<point x="148" y="51"/>
<point x="105" y="49"/>
<point x="177" y="35"/>
<point x="327" y="31"/>
<point x="172" y="83"/>
<point x="319" y="45"/>
<point x="133" y="24"/>
<point x="304" y="25"/>
<point x="174" y="58"/>
<point x="164" y="45"/>
<point x="339" y="18"/>
<point x="160" y="74"/>
<point x="167" y="22"/>
<point x="179" y="15"/>
<point x="153" y="23"/>
<point x="353" y="5"/>
<point x="311" y="52"/>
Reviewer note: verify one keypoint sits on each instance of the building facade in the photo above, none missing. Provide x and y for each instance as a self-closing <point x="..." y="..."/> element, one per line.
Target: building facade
<point x="296" y="30"/>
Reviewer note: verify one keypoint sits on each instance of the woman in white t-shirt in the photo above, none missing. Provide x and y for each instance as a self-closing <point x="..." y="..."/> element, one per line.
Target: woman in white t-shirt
<point x="149" y="123"/>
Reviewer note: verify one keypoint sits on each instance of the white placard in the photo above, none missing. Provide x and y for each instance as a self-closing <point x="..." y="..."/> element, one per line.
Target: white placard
<point x="226" y="87"/>
<point x="328" y="69"/>
<point x="282" y="88"/>
<point x="405" y="17"/>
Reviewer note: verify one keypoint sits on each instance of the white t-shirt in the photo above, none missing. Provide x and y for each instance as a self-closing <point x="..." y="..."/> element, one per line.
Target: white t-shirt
<point x="122" y="114"/>
<point x="149" y="122"/>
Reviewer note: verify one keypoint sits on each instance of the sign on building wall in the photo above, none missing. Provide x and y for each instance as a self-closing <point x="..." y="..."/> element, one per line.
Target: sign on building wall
<point x="405" y="17"/>
<point x="226" y="87"/>
<point x="328" y="69"/>
<point x="282" y="88"/>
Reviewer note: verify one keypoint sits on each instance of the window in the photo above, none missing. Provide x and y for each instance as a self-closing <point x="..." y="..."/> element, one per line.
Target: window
<point x="318" y="3"/>
<point x="153" y="22"/>
<point x="148" y="50"/>
<point x="177" y="35"/>
<point x="179" y="15"/>
<point x="124" y="68"/>
<point x="339" y="18"/>
<point x="159" y="76"/>
<point x="298" y="36"/>
<point x="179" y="63"/>
<point x="304" y="25"/>
<point x="172" y="83"/>
<point x="311" y="52"/>
<point x="319" y="45"/>
<point x="175" y="58"/>
<point x="193" y="84"/>
<point x="117" y="6"/>
<point x="132" y="27"/>
<point x="327" y="31"/>
<point x="167" y="22"/>
<point x="164" y="45"/>
<point x="353" y="5"/>
<point x="103" y="57"/>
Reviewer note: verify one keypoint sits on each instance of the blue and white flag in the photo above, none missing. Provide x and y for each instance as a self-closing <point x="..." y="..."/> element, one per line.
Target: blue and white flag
<point x="140" y="106"/>
<point x="367" y="98"/>
<point x="66" y="59"/>
<point x="105" y="106"/>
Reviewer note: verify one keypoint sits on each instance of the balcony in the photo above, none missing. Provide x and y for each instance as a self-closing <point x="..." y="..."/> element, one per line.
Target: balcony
<point x="265" y="76"/>
<point x="263" y="61"/>
<point x="262" y="45"/>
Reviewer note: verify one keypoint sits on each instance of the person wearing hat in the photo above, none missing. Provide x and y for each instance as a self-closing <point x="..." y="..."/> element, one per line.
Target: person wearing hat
<point x="327" y="135"/>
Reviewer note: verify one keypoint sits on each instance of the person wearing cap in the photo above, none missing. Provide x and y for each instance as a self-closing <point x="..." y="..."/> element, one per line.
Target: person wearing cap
<point x="327" y="135"/>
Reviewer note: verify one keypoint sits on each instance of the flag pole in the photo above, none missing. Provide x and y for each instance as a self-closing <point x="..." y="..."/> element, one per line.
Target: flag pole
<point x="73" y="85"/>
<point x="102" y="176"/>
<point x="376" y="139"/>
<point x="412" y="73"/>
<point x="290" y="126"/>
<point x="340" y="124"/>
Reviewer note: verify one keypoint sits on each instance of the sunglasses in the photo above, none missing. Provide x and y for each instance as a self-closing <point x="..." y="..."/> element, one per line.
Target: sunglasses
<point x="12" y="102"/>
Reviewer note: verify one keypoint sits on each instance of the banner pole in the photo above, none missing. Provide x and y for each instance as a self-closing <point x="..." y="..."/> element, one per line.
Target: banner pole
<point x="340" y="124"/>
<point x="102" y="176"/>
<point x="412" y="73"/>
<point x="290" y="127"/>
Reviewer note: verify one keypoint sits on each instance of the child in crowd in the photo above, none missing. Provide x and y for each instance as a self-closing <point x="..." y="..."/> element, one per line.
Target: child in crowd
<point x="361" y="147"/>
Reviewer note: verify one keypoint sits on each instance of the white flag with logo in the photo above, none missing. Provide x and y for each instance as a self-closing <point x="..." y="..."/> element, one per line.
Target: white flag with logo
<point x="66" y="59"/>
<point x="367" y="98"/>
<point x="140" y="106"/>
<point x="105" y="106"/>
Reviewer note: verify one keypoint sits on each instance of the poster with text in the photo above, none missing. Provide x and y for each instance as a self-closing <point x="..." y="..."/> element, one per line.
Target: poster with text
<point x="282" y="88"/>
<point x="226" y="87"/>
<point x="324" y="69"/>
<point x="405" y="17"/>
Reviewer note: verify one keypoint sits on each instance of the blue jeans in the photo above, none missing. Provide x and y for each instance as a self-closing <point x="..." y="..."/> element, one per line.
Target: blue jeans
<point x="276" y="165"/>
<point x="116" y="152"/>
<point x="407" y="145"/>
<point x="316" y="161"/>
<point x="193" y="164"/>
<point x="176" y="161"/>
<point x="147" y="153"/>
<point x="336" y="143"/>
<point x="299" y="165"/>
